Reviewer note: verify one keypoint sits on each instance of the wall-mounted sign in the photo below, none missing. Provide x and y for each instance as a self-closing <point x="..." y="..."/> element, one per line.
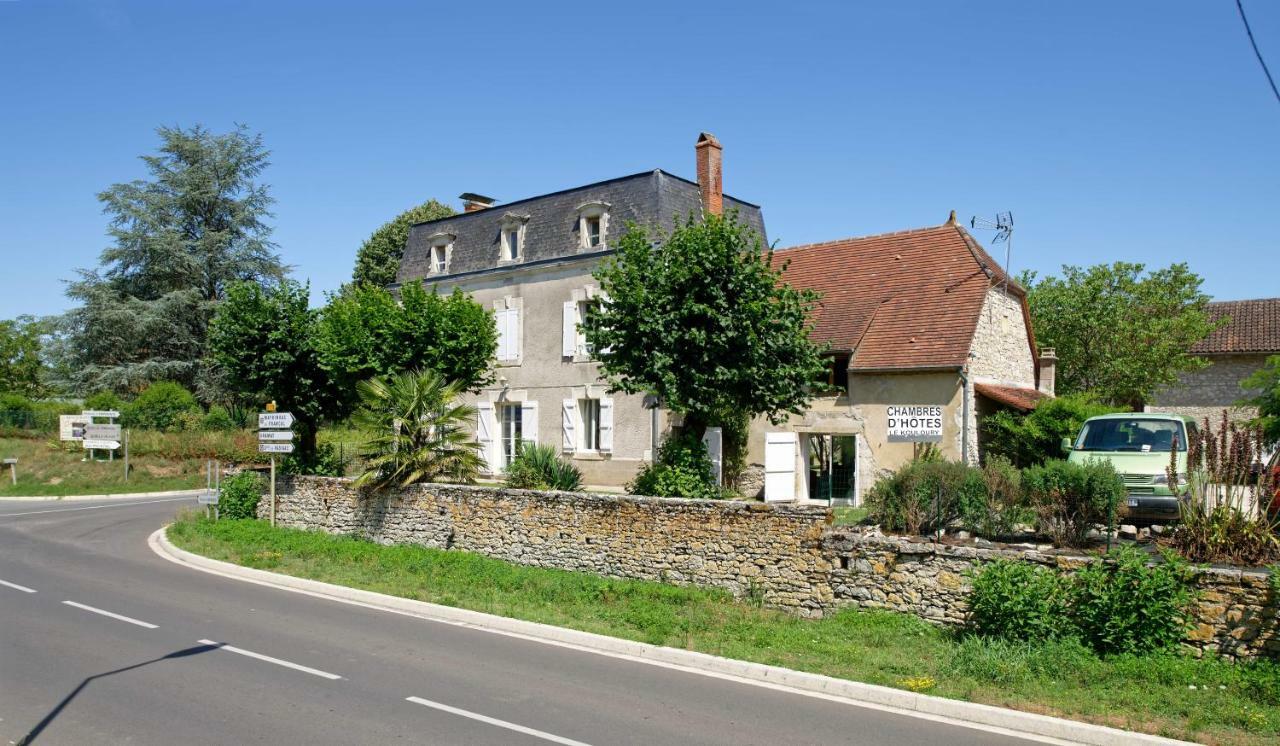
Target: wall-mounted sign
<point x="71" y="426"/>
<point x="914" y="423"/>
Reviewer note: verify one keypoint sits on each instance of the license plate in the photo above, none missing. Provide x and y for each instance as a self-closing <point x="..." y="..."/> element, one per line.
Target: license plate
<point x="1133" y="502"/>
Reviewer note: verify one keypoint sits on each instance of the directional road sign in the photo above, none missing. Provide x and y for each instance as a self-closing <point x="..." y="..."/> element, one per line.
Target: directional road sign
<point x="278" y="420"/>
<point x="275" y="448"/>
<point x="275" y="435"/>
<point x="105" y="445"/>
<point x="208" y="497"/>
<point x="102" y="432"/>
<point x="108" y="413"/>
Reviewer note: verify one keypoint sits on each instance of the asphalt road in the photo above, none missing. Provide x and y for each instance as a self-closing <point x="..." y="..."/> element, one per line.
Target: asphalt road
<point x="103" y="642"/>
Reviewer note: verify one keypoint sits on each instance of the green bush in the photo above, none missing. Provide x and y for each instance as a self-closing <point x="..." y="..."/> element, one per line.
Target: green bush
<point x="926" y="496"/>
<point x="239" y="496"/>
<point x="1018" y="600"/>
<point x="1122" y="605"/>
<point x="217" y="419"/>
<point x="1069" y="499"/>
<point x="327" y="461"/>
<point x="682" y="469"/>
<point x="539" y="466"/>
<point x="17" y="404"/>
<point x="104" y="400"/>
<point x="1035" y="437"/>
<point x="160" y="406"/>
<point x="1118" y="605"/>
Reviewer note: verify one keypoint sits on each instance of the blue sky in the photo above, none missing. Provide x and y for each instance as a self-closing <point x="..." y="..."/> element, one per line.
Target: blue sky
<point x="1141" y="131"/>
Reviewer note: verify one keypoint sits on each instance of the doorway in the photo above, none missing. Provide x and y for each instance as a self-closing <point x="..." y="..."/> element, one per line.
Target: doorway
<point x="833" y="468"/>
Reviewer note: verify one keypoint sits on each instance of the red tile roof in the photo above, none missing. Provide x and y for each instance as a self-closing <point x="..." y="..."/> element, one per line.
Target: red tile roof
<point x="1252" y="326"/>
<point x="898" y="300"/>
<point x="1011" y="396"/>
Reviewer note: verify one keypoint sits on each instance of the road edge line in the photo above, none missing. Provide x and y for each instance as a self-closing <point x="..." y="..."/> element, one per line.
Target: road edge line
<point x="1001" y="720"/>
<point x="119" y="496"/>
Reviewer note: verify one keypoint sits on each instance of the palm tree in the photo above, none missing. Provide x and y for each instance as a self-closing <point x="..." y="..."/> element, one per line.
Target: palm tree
<point x="416" y="431"/>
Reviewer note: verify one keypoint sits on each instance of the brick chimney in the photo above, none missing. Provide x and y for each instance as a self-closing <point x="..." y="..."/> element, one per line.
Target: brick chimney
<point x="471" y="202"/>
<point x="1048" y="369"/>
<point x="709" y="178"/>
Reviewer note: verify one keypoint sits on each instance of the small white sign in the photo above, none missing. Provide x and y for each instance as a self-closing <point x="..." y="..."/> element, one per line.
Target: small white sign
<point x="108" y="413"/>
<point x="914" y="423"/>
<point x="71" y="426"/>
<point x="209" y="497"/>
<point x="275" y="448"/>
<point x="102" y="432"/>
<point x="279" y="420"/>
<point x="275" y="435"/>
<point x="100" y="445"/>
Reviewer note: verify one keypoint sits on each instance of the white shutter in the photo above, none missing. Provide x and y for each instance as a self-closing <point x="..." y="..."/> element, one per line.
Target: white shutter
<point x="529" y="422"/>
<point x="569" y="346"/>
<point x="779" y="467"/>
<point x="714" y="440"/>
<point x="569" y="425"/>
<point x="606" y="424"/>
<point x="500" y="322"/>
<point x="484" y="432"/>
<point x="513" y="332"/>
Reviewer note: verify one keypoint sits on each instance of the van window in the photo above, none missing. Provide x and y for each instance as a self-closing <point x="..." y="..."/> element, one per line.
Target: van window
<point x="1132" y="434"/>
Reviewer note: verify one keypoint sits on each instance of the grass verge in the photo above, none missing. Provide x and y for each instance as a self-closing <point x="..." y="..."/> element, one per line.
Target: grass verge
<point x="1207" y="700"/>
<point x="51" y="468"/>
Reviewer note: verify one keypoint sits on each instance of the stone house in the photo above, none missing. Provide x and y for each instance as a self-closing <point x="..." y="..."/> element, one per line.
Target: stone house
<point x="531" y="261"/>
<point x="1236" y="350"/>
<point x="927" y="335"/>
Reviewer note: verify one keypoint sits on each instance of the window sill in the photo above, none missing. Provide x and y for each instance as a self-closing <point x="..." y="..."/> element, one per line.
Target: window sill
<point x="583" y="359"/>
<point x="507" y="363"/>
<point x="585" y="455"/>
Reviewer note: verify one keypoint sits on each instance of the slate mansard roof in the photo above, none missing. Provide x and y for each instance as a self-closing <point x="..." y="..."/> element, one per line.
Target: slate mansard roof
<point x="905" y="300"/>
<point x="655" y="199"/>
<point x="1253" y="326"/>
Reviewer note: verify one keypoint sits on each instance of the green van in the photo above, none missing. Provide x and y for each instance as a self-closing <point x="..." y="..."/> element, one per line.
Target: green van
<point x="1138" y="444"/>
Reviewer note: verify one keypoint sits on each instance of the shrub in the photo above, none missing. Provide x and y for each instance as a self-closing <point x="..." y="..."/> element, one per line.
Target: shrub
<point x="682" y="469"/>
<point x="104" y="400"/>
<point x="1036" y="437"/>
<point x="1004" y="506"/>
<point x="217" y="419"/>
<point x="1018" y="600"/>
<point x="1122" y="605"/>
<point x="927" y="496"/>
<point x="160" y="406"/>
<point x="239" y="496"/>
<point x="540" y="467"/>
<point x="1069" y="499"/>
<point x="327" y="461"/>
<point x="16" y="407"/>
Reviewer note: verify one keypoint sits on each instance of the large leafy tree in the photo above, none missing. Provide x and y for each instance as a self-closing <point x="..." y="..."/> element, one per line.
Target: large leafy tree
<point x="1120" y="332"/>
<point x="21" y="370"/>
<point x="702" y="319"/>
<point x="1266" y="382"/>
<point x="379" y="256"/>
<point x="181" y="237"/>
<point x="264" y="344"/>
<point x="364" y="332"/>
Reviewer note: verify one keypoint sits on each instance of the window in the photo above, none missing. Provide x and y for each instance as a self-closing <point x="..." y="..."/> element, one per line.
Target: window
<point x="441" y="248"/>
<point x="512" y="432"/>
<point x="507" y="321"/>
<point x="593" y="230"/>
<point x="593" y="224"/>
<point x="511" y="244"/>
<point x="1131" y="434"/>
<point x="580" y="339"/>
<point x="589" y="410"/>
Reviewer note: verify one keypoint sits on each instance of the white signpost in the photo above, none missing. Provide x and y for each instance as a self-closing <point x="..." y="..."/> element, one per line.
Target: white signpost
<point x="914" y="423"/>
<point x="274" y="436"/>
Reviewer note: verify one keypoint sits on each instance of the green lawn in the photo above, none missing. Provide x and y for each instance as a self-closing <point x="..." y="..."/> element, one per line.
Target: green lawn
<point x="1207" y="700"/>
<point x="49" y="467"/>
<point x="849" y="516"/>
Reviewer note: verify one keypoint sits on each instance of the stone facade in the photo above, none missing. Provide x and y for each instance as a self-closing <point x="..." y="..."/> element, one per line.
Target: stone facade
<point x="1206" y="392"/>
<point x="786" y="553"/>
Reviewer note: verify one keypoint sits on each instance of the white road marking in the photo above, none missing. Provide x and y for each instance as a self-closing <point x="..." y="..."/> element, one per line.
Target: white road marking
<point x="111" y="614"/>
<point x="98" y="507"/>
<point x="269" y="659"/>
<point x="15" y="586"/>
<point x="494" y="721"/>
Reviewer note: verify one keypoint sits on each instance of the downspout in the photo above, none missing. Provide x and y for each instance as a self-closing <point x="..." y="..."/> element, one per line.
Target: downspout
<point x="964" y="417"/>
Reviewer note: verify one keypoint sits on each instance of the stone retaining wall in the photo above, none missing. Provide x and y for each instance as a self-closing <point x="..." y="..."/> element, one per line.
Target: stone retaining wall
<point x="739" y="546"/>
<point x="785" y="553"/>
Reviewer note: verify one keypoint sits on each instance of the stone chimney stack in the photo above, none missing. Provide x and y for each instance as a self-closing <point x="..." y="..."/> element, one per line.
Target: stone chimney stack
<point x="1048" y="369"/>
<point x="709" y="177"/>
<point x="471" y="202"/>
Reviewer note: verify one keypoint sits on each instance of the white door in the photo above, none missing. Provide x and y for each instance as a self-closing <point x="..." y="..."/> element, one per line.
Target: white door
<point x="779" y="467"/>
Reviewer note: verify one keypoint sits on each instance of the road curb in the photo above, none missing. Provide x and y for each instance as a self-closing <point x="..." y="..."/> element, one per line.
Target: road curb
<point x="122" y="496"/>
<point x="968" y="714"/>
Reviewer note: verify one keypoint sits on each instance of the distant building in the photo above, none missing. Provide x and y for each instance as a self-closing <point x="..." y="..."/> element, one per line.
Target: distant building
<point x="1235" y="351"/>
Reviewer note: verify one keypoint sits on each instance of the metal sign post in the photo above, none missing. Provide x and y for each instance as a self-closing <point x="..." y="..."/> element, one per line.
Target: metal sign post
<point x="274" y="436"/>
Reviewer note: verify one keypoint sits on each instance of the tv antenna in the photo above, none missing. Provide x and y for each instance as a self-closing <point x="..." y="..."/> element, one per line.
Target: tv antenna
<point x="1003" y="226"/>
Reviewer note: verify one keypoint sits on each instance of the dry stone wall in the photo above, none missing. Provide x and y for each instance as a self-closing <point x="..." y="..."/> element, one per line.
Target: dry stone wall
<point x="786" y="553"/>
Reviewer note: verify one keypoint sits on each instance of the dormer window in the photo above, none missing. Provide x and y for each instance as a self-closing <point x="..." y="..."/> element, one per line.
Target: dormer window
<point x="511" y="238"/>
<point x="441" y="251"/>
<point x="593" y="225"/>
